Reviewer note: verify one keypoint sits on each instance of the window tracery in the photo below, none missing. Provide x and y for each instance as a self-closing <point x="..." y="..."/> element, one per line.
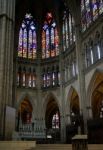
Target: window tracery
<point x="90" y="10"/>
<point x="50" y="38"/>
<point x="27" y="38"/>
<point x="68" y="30"/>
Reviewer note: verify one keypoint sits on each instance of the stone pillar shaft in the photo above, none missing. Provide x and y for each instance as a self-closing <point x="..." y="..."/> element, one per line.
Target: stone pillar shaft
<point x="7" y="11"/>
<point x="81" y="75"/>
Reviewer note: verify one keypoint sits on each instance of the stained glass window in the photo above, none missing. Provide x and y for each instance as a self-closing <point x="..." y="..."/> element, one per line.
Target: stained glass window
<point x="18" y="79"/>
<point x="27" y="38"/>
<point x="98" y="51"/>
<point x="86" y="15"/>
<point x="68" y="30"/>
<point x="64" y="39"/>
<point x="30" y="80"/>
<point x="73" y="69"/>
<point x="44" y="80"/>
<point x="83" y="15"/>
<point x="34" y="81"/>
<point x="90" y="10"/>
<point x="53" y="77"/>
<point x="50" y="38"/>
<point x="48" y="79"/>
<point x="95" y="9"/>
<point x="24" y="79"/>
<point x="55" y="121"/>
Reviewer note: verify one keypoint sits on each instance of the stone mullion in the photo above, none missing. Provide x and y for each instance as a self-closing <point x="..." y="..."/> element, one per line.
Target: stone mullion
<point x="71" y="75"/>
<point x="101" y="47"/>
<point x="39" y="76"/>
<point x="56" y="74"/>
<point x="21" y="77"/>
<point x="95" y="53"/>
<point x="68" y="72"/>
<point x="27" y="75"/>
<point x="7" y="65"/>
<point x="2" y="72"/>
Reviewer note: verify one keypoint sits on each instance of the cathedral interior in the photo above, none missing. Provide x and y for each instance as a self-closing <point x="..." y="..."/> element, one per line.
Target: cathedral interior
<point x="51" y="70"/>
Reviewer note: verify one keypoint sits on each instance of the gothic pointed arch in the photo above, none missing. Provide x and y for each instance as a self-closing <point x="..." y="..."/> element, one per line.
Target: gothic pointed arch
<point x="48" y="96"/>
<point x="74" y="106"/>
<point x="51" y="110"/>
<point x="24" y="113"/>
<point x="95" y="94"/>
<point x="27" y="96"/>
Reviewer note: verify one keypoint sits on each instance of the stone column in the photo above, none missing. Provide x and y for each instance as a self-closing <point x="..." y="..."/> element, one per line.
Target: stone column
<point x="81" y="67"/>
<point x="62" y="92"/>
<point x="40" y="121"/>
<point x="7" y="15"/>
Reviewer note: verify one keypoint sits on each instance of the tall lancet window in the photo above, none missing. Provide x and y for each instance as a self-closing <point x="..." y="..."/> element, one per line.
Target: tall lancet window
<point x="27" y="38"/>
<point x="68" y="30"/>
<point x="50" y="38"/>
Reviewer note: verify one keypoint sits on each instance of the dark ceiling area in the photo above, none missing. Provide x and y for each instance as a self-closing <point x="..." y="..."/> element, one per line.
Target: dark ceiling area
<point x="38" y="9"/>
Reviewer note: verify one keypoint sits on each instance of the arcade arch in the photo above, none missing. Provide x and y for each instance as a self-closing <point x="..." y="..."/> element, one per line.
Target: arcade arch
<point x="96" y="94"/>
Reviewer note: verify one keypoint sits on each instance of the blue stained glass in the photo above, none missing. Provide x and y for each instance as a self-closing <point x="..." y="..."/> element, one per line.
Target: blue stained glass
<point x="94" y="8"/>
<point x="47" y="44"/>
<point x="20" y="43"/>
<point x="30" y="46"/>
<point x="25" y="43"/>
<point x="47" y="39"/>
<point x="27" y="38"/>
<point x="34" y="44"/>
<point x="88" y="12"/>
<point x="45" y="27"/>
<point x="32" y="27"/>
